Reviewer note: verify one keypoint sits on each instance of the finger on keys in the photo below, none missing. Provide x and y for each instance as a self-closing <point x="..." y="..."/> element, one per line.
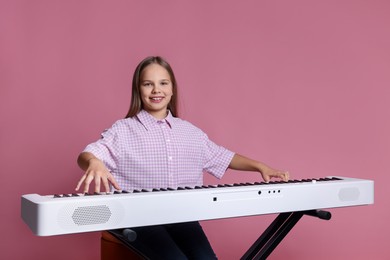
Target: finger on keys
<point x="114" y="182"/>
<point x="287" y="176"/>
<point x="80" y="182"/>
<point x="97" y="184"/>
<point x="87" y="182"/>
<point x="106" y="184"/>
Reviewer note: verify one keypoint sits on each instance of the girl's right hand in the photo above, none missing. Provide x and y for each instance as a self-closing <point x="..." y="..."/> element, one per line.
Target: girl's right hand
<point x="98" y="173"/>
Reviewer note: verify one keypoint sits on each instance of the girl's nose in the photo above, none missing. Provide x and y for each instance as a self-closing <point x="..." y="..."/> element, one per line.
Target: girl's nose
<point x="155" y="89"/>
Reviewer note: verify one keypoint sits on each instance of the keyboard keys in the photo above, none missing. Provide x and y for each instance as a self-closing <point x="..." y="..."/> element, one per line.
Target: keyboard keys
<point x="312" y="180"/>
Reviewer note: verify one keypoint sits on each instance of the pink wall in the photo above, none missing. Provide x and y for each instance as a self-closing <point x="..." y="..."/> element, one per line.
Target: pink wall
<point x="302" y="85"/>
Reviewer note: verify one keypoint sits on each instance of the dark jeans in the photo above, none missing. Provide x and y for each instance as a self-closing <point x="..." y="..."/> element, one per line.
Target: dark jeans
<point x="173" y="241"/>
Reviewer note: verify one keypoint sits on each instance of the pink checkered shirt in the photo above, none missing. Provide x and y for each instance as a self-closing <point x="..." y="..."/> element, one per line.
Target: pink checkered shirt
<point x="143" y="153"/>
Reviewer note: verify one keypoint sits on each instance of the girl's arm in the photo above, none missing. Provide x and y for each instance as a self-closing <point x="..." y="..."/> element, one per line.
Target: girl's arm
<point x="243" y="163"/>
<point x="96" y="171"/>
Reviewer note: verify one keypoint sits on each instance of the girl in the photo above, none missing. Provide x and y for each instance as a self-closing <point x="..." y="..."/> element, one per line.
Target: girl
<point x="153" y="148"/>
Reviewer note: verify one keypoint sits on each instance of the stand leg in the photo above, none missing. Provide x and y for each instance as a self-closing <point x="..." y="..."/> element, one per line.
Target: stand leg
<point x="276" y="231"/>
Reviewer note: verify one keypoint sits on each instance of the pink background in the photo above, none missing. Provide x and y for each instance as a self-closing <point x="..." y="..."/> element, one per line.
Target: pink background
<point x="302" y="85"/>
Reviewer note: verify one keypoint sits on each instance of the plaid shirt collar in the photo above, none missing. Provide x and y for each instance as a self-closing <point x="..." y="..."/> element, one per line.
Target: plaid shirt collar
<point x="148" y="121"/>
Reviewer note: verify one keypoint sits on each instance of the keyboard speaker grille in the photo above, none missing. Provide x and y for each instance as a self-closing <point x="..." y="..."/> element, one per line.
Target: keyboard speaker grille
<point x="91" y="215"/>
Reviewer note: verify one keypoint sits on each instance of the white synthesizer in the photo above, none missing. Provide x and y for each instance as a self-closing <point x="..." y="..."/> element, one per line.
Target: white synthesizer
<point x="75" y="213"/>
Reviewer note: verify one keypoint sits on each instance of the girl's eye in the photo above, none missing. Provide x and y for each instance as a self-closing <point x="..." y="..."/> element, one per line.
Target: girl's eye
<point x="146" y="84"/>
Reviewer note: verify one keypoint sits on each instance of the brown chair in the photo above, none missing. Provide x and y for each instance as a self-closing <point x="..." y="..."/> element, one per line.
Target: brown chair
<point x="111" y="248"/>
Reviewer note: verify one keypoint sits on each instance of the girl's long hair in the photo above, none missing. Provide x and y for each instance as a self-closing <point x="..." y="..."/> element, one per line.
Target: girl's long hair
<point x="136" y="103"/>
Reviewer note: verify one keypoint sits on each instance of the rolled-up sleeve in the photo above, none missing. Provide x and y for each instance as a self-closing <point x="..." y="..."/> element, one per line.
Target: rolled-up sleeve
<point x="106" y="148"/>
<point x="217" y="158"/>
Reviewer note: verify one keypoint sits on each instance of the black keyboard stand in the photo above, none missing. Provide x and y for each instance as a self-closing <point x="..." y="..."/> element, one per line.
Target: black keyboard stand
<point x="263" y="246"/>
<point x="277" y="230"/>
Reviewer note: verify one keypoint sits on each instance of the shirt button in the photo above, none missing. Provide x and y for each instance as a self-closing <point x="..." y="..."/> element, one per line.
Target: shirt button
<point x="170" y="158"/>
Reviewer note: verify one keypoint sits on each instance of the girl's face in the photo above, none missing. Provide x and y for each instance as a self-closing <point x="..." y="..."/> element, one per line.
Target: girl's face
<point x="155" y="90"/>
